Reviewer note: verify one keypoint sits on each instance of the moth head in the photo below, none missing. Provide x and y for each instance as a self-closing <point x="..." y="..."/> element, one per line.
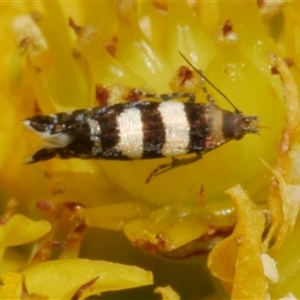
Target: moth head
<point x="41" y="125"/>
<point x="52" y="134"/>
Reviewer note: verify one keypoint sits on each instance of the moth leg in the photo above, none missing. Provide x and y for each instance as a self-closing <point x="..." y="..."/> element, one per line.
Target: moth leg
<point x="167" y="97"/>
<point x="209" y="98"/>
<point x="173" y="164"/>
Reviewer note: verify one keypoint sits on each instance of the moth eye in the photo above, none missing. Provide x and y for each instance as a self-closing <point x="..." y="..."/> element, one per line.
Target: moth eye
<point x="38" y="126"/>
<point x="58" y="128"/>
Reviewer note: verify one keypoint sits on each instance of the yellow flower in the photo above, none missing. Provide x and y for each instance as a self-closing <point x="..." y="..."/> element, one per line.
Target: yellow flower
<point x="61" y="56"/>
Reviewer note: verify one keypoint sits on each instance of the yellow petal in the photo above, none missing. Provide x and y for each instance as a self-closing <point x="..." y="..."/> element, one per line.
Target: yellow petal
<point x="60" y="279"/>
<point x="284" y="201"/>
<point x="20" y="230"/>
<point x="167" y="293"/>
<point x="237" y="259"/>
<point x="114" y="216"/>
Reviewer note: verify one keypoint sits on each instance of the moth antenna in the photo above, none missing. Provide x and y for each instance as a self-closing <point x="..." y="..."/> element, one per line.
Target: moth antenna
<point x="210" y="83"/>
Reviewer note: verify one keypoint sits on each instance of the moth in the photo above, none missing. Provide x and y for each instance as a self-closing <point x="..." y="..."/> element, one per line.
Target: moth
<point x="142" y="129"/>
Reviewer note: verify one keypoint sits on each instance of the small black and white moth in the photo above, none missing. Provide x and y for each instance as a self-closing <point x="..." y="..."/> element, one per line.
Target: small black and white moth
<point x="142" y="130"/>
